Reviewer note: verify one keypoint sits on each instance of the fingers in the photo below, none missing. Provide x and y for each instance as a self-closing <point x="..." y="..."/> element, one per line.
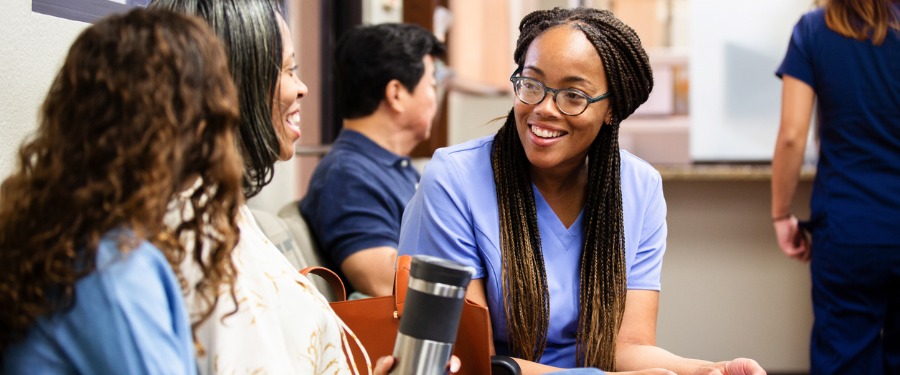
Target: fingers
<point x="454" y="364"/>
<point x="383" y="365"/>
<point x="744" y="366"/>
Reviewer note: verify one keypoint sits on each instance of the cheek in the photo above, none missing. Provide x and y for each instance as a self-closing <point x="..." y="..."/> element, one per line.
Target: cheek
<point x="430" y="98"/>
<point x="286" y="88"/>
<point x="521" y="112"/>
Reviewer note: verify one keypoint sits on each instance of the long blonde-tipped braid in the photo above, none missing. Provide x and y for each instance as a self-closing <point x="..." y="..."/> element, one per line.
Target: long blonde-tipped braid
<point x="524" y="280"/>
<point x="602" y="281"/>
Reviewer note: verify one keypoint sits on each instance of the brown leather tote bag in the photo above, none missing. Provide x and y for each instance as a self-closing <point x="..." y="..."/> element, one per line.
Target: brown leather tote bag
<point x="375" y="322"/>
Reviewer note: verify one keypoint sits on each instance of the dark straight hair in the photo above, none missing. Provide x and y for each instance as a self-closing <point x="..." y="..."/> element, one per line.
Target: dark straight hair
<point x="252" y="39"/>
<point x="367" y="57"/>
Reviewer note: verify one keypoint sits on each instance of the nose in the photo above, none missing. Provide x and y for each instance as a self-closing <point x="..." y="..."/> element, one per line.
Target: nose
<point x="547" y="106"/>
<point x="302" y="90"/>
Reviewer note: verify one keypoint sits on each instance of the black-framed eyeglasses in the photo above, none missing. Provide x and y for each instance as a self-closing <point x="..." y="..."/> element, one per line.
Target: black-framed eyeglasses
<point x="573" y="102"/>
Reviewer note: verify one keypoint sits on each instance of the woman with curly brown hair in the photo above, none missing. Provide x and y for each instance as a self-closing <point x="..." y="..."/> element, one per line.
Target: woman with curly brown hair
<point x="565" y="230"/>
<point x="142" y="108"/>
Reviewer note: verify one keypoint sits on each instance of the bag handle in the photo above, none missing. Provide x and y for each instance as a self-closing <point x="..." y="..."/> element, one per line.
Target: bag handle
<point x="401" y="281"/>
<point x="332" y="278"/>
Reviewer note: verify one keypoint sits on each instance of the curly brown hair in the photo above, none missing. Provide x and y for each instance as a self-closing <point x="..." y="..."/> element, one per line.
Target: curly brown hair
<point x="143" y="106"/>
<point x="602" y="275"/>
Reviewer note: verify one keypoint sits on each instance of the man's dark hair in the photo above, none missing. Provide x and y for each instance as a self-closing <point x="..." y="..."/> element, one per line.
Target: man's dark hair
<point x="367" y="57"/>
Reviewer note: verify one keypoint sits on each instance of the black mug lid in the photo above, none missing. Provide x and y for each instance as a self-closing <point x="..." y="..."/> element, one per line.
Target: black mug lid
<point x="439" y="270"/>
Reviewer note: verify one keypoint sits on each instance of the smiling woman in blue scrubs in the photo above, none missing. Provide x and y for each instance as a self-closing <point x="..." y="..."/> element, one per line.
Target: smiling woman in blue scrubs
<point x="566" y="231"/>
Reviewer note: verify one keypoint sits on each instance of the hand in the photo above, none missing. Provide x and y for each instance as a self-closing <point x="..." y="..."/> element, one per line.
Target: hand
<point x="651" y="371"/>
<point x="744" y="366"/>
<point x="384" y="364"/>
<point x="739" y="366"/>
<point x="792" y="241"/>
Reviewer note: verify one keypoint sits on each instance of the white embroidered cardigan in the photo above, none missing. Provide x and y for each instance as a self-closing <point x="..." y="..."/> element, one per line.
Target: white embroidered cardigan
<point x="283" y="326"/>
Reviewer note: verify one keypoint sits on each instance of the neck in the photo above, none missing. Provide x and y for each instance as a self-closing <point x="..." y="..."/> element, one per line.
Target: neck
<point x="561" y="179"/>
<point x="563" y="189"/>
<point x="385" y="132"/>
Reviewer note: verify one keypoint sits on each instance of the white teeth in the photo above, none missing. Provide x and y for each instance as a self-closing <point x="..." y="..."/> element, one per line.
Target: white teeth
<point x="545" y="133"/>
<point x="294" y="119"/>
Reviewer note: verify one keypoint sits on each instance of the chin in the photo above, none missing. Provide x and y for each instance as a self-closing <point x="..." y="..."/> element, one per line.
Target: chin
<point x="286" y="155"/>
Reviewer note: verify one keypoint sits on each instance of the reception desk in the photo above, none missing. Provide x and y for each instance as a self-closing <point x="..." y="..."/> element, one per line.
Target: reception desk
<point x="728" y="291"/>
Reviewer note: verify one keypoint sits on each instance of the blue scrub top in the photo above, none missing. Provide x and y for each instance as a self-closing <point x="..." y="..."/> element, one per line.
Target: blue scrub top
<point x="128" y="318"/>
<point x="454" y="215"/>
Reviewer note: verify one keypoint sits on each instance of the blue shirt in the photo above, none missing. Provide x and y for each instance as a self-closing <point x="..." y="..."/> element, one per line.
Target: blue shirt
<point x="454" y="215"/>
<point x="356" y="197"/>
<point x="128" y="318"/>
<point x="856" y="193"/>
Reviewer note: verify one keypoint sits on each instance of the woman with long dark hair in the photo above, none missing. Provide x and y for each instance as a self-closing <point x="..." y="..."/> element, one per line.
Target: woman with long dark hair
<point x="279" y="323"/>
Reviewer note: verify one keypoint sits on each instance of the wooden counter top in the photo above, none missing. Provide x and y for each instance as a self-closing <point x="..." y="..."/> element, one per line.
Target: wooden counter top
<point x="724" y="172"/>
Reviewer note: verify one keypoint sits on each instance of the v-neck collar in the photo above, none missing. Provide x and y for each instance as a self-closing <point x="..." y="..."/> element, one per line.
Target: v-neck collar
<point x="548" y="220"/>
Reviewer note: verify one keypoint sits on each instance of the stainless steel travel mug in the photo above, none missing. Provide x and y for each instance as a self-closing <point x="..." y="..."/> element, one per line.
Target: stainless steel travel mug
<point x="430" y="320"/>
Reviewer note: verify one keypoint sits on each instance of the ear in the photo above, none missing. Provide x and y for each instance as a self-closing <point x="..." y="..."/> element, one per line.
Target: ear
<point x="609" y="117"/>
<point x="393" y="95"/>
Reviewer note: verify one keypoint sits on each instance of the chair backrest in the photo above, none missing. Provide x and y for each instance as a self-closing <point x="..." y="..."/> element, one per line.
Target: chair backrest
<point x="298" y="250"/>
<point x="309" y="250"/>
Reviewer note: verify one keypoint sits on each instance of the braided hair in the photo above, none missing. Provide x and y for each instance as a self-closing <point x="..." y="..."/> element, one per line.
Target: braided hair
<point x="602" y="274"/>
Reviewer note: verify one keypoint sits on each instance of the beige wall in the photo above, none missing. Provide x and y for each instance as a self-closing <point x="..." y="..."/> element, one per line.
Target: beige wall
<point x="479" y="44"/>
<point x="727" y="289"/>
<point x="32" y="51"/>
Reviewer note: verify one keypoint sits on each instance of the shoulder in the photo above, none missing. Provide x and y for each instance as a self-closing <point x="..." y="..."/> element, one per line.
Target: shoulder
<point x="469" y="154"/>
<point x="137" y="262"/>
<point x="468" y="161"/>
<point x="814" y="16"/>
<point x="469" y="148"/>
<point x="342" y="167"/>
<point x="635" y="169"/>
<point x="136" y="279"/>
<point x="812" y="22"/>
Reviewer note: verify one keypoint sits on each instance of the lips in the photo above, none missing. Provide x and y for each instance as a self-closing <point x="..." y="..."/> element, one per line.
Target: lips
<point x="293" y="122"/>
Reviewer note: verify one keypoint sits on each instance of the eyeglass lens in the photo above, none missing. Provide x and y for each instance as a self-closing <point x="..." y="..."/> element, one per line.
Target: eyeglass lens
<point x="568" y="101"/>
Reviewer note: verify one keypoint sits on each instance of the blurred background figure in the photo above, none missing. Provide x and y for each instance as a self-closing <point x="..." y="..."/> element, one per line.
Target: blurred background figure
<point x="386" y="94"/>
<point x="844" y="60"/>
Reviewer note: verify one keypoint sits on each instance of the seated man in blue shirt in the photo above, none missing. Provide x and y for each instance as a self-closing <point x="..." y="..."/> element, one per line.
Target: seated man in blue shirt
<point x="386" y="86"/>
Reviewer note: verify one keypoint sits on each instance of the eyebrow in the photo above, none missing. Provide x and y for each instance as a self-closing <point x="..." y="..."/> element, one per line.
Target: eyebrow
<point x="291" y="62"/>
<point x="566" y="79"/>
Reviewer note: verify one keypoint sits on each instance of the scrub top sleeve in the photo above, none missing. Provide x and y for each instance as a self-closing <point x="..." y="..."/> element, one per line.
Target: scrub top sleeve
<point x="797" y="61"/>
<point x="148" y="317"/>
<point x="646" y="269"/>
<point x="438" y="220"/>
